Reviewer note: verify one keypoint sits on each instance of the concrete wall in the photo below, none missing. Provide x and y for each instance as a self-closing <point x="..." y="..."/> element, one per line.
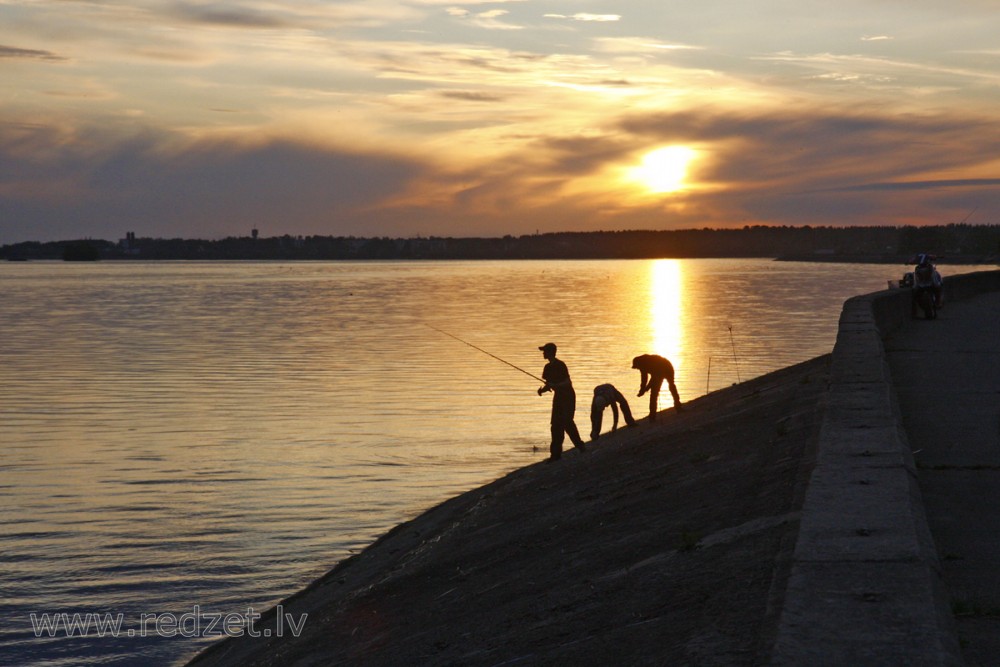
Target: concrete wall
<point x="864" y="587"/>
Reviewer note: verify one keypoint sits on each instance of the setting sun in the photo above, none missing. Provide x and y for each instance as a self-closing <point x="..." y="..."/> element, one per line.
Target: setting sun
<point x="664" y="169"/>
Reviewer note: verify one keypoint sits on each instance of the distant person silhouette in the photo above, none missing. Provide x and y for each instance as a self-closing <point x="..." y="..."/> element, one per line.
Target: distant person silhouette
<point x="556" y="377"/>
<point x="925" y="275"/>
<point x="605" y="395"/>
<point x="655" y="369"/>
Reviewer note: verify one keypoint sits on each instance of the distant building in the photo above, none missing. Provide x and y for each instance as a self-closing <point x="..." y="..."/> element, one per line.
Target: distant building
<point x="253" y="233"/>
<point x="128" y="244"/>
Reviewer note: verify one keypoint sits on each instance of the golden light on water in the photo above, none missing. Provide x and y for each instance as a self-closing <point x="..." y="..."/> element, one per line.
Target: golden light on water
<point x="667" y="309"/>
<point x="664" y="170"/>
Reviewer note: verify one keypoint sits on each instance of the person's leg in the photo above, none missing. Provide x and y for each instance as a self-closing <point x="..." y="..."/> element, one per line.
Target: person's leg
<point x="596" y="418"/>
<point x="676" y="396"/>
<point x="563" y="407"/>
<point x="673" y="391"/>
<point x="574" y="435"/>
<point x="555" y="449"/>
<point x="654" y="396"/>
<point x="623" y="404"/>
<point x="568" y="411"/>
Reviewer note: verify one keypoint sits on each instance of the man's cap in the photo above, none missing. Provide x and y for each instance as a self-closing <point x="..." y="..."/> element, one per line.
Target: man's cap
<point x="548" y="346"/>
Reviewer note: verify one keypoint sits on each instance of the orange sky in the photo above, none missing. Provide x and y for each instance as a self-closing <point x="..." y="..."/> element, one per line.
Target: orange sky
<point x="406" y="117"/>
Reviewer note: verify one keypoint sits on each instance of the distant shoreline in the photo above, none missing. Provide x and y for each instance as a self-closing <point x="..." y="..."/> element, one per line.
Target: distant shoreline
<point x="963" y="244"/>
<point x="901" y="260"/>
<point x="884" y="259"/>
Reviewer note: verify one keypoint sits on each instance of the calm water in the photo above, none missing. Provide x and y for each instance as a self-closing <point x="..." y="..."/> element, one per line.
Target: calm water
<point x="181" y="434"/>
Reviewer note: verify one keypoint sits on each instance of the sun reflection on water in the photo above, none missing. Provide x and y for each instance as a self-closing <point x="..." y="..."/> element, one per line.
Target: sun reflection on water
<point x="667" y="316"/>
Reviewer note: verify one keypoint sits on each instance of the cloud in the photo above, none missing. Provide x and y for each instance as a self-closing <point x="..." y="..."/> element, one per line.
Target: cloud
<point x="218" y="14"/>
<point x="876" y="68"/>
<point x="829" y="167"/>
<point x="489" y="20"/>
<point x="470" y="96"/>
<point x="261" y="14"/>
<point x="801" y="146"/>
<point x="462" y="2"/>
<point x="88" y="184"/>
<point x="516" y="125"/>
<point x="28" y="54"/>
<point x="639" y="45"/>
<point x="836" y="166"/>
<point x="920" y="185"/>
<point x="598" y="18"/>
<point x="756" y="166"/>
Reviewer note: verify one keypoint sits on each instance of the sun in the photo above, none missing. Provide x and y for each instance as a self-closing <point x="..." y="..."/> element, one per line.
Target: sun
<point x="664" y="169"/>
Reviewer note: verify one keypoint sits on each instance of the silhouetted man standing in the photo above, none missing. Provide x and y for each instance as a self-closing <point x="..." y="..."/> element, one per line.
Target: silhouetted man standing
<point x="656" y="369"/>
<point x="556" y="377"/>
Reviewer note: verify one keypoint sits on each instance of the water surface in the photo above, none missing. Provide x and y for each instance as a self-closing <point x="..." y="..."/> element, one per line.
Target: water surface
<point x="220" y="434"/>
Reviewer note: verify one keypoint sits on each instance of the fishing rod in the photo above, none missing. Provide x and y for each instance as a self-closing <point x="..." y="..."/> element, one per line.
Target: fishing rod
<point x="968" y="216"/>
<point x="485" y="352"/>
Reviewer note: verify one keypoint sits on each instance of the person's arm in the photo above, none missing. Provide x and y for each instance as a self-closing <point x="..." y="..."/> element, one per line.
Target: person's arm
<point x="545" y="377"/>
<point x="642" y="384"/>
<point x="614" y="411"/>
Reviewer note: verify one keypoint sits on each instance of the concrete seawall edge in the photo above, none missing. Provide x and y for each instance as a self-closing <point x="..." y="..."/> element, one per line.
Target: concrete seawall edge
<point x="865" y="585"/>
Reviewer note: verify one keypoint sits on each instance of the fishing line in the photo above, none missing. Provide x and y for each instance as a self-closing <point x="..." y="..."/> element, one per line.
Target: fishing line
<point x="735" y="360"/>
<point x="475" y="347"/>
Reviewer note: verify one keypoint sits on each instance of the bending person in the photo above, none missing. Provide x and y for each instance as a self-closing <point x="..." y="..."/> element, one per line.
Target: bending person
<point x="605" y="395"/>
<point x="655" y="369"/>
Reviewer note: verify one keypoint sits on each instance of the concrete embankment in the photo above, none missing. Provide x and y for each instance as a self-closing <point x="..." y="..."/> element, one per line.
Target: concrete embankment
<point x="667" y="543"/>
<point x="865" y="586"/>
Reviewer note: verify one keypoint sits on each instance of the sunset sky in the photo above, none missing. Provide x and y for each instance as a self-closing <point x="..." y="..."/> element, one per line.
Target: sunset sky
<point x="439" y="117"/>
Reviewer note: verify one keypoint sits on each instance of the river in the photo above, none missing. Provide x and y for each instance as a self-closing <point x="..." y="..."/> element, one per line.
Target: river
<point x="185" y="437"/>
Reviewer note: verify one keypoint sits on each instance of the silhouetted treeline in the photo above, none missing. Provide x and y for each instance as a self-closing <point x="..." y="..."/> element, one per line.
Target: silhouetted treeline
<point x="882" y="243"/>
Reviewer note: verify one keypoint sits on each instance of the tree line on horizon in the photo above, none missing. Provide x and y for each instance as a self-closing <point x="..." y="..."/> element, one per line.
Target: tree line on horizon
<point x="870" y="243"/>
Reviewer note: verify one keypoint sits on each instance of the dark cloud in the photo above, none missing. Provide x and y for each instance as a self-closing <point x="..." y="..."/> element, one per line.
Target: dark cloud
<point x="470" y="96"/>
<point x="921" y="185"/>
<point x="825" y="150"/>
<point x="579" y="155"/>
<point x="31" y="54"/>
<point x="784" y="168"/>
<point x="53" y="186"/>
<point x="225" y="15"/>
<point x="824" y="167"/>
